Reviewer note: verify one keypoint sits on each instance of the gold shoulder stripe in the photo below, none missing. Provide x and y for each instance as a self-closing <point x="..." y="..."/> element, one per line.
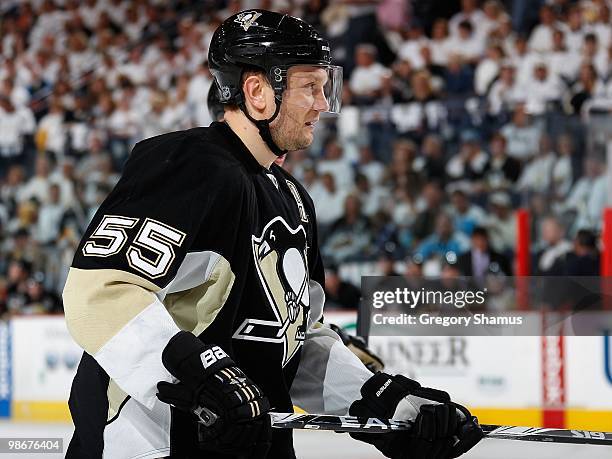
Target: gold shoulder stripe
<point x="98" y="303"/>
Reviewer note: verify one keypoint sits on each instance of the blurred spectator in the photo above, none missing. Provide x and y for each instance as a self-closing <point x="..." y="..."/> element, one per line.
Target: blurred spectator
<point x="574" y="30"/>
<point x="89" y="11"/>
<point x="38" y="300"/>
<point x="583" y="260"/>
<point x="124" y="129"/>
<point x="466" y="43"/>
<point x="431" y="163"/>
<point x="501" y="223"/>
<point x="503" y="170"/>
<point x="373" y="198"/>
<point x="522" y="135"/>
<point x="494" y="17"/>
<point x="590" y="216"/>
<point x="540" y="39"/>
<point x="38" y="186"/>
<point x="78" y="124"/>
<point x="440" y="42"/>
<point x="15" y="124"/>
<point x="423" y="112"/>
<point x="404" y="212"/>
<point x="562" y="175"/>
<point x="551" y="259"/>
<point x="400" y="172"/>
<point x="134" y="69"/>
<point x="468" y="167"/>
<point x="311" y="180"/>
<point x="537" y="174"/>
<point x="488" y="69"/>
<point x="544" y="89"/>
<point x="50" y="217"/>
<point x="401" y="91"/>
<point x="349" y="237"/>
<point x="580" y="193"/>
<point x="600" y="21"/>
<point x="16" y="288"/>
<point x="503" y="33"/>
<point x="16" y="94"/>
<point x="298" y="162"/>
<point x="538" y="206"/>
<point x="562" y="62"/>
<point x="329" y="200"/>
<point x="466" y="216"/>
<point x="386" y="235"/>
<point x="65" y="177"/>
<point x="197" y="91"/>
<point x="481" y="259"/>
<point x="51" y="134"/>
<point x="595" y="54"/>
<point x="587" y="87"/>
<point x="369" y="166"/>
<point x="367" y="78"/>
<point x="469" y="12"/>
<point x="333" y="162"/>
<point x="93" y="160"/>
<point x="348" y="124"/>
<point x="444" y="240"/>
<point x="410" y="49"/>
<point x="10" y="190"/>
<point x="157" y="120"/>
<point x="338" y="293"/>
<point x="104" y="177"/>
<point x="361" y="27"/>
<point x="458" y="77"/>
<point x="432" y="199"/>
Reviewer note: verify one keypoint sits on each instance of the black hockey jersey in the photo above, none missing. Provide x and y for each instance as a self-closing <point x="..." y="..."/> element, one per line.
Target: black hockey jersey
<point x="196" y="236"/>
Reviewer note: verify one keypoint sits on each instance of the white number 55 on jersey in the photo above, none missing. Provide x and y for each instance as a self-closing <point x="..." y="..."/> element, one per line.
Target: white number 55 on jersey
<point x="110" y="237"/>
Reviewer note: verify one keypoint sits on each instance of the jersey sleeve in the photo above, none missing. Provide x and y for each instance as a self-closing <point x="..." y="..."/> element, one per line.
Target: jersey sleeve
<point x="330" y="376"/>
<point x="149" y="242"/>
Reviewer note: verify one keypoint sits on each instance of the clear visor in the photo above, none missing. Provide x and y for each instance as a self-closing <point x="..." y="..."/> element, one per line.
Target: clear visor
<point x="314" y="87"/>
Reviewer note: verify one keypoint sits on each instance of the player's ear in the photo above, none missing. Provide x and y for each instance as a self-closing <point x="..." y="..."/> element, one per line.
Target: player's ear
<point x="256" y="92"/>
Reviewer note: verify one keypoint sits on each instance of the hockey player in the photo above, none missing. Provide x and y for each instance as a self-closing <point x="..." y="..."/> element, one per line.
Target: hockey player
<point x="196" y="290"/>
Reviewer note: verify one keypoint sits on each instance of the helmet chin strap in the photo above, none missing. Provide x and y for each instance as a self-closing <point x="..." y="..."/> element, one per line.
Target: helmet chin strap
<point x="264" y="127"/>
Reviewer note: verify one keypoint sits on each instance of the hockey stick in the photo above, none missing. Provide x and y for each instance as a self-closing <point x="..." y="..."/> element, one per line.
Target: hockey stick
<point x="375" y="425"/>
<point x="336" y="423"/>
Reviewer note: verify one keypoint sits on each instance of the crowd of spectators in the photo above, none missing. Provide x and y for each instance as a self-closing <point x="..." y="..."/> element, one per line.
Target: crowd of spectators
<point x="454" y="115"/>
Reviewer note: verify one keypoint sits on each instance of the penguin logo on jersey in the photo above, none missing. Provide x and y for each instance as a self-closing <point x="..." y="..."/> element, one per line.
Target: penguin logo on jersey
<point x="281" y="264"/>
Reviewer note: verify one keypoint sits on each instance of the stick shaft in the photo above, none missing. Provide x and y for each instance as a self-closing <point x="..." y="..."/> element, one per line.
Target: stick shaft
<point x="376" y="425"/>
<point x="548" y="435"/>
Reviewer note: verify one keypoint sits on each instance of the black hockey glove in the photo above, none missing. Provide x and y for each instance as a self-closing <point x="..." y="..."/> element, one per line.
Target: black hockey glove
<point x="229" y="407"/>
<point x="442" y="429"/>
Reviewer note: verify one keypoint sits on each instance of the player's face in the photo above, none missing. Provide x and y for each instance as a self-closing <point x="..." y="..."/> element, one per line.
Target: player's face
<point x="303" y="101"/>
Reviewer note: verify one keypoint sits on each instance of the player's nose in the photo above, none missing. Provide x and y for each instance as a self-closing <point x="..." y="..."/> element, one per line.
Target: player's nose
<point x="321" y="104"/>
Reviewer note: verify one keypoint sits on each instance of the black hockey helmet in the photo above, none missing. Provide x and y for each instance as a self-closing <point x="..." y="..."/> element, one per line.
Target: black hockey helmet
<point x="271" y="42"/>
